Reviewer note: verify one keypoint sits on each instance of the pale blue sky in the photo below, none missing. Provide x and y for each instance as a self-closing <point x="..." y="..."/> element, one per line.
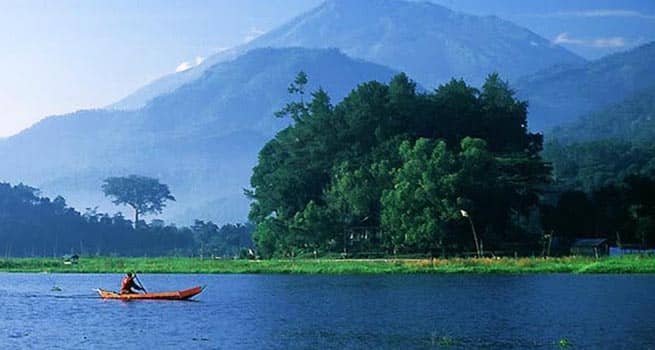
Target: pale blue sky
<point x="60" y="56"/>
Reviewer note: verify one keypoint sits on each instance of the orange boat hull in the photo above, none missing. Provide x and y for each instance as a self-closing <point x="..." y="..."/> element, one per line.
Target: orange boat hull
<point x="179" y="295"/>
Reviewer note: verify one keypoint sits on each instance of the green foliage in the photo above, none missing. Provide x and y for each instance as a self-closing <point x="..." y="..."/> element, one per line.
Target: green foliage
<point x="422" y="202"/>
<point x="225" y="241"/>
<point x="388" y="168"/>
<point x="590" y="165"/>
<point x="296" y="110"/>
<point x="88" y="264"/>
<point x="624" y="212"/>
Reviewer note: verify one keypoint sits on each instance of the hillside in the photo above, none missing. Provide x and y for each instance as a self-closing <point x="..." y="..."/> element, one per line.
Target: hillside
<point x="604" y="147"/>
<point x="561" y="94"/>
<point x="429" y="42"/>
<point x="631" y="120"/>
<point x="202" y="139"/>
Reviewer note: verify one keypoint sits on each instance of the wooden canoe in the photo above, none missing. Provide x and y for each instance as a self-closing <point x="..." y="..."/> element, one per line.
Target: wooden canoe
<point x="179" y="295"/>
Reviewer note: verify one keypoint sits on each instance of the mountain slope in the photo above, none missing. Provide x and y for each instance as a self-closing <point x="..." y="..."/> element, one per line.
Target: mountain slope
<point x="631" y="120"/>
<point x="429" y="42"/>
<point x="561" y="94"/>
<point x="201" y="139"/>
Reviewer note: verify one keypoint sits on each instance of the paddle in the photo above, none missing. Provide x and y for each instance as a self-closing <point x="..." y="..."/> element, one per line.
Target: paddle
<point x="136" y="277"/>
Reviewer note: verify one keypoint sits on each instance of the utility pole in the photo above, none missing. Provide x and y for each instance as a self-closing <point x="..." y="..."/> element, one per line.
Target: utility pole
<point x="475" y="236"/>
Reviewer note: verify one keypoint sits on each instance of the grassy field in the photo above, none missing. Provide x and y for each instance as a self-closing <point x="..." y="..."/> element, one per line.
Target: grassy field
<point x="626" y="264"/>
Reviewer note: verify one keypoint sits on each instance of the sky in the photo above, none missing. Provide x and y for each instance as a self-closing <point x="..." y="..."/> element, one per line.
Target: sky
<point x="60" y="56"/>
<point x="589" y="28"/>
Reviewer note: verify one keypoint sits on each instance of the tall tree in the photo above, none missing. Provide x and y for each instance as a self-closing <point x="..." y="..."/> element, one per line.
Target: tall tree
<point x="144" y="194"/>
<point x="422" y="201"/>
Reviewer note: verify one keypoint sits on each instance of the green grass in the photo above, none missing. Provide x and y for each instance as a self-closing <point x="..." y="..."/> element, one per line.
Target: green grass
<point x="626" y="264"/>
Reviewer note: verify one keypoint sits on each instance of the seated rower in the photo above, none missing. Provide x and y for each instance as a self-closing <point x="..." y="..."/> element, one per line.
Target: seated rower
<point x="128" y="283"/>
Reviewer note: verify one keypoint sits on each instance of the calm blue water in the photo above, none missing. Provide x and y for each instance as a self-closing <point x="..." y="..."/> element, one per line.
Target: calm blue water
<point x="332" y="312"/>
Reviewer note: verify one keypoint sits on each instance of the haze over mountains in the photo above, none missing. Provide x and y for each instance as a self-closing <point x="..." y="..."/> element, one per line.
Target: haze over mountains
<point x="199" y="131"/>
<point x="562" y="93"/>
<point x="631" y="120"/>
<point x="202" y="140"/>
<point x="431" y="43"/>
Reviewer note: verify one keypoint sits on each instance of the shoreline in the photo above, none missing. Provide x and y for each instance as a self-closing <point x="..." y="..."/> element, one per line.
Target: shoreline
<point x="576" y="265"/>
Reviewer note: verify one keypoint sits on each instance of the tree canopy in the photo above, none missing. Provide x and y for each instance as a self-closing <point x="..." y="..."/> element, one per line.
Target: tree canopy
<point x="144" y="194"/>
<point x="388" y="168"/>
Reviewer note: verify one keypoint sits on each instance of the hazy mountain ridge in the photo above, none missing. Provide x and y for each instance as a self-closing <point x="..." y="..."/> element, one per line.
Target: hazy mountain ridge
<point x="561" y="94"/>
<point x="631" y="120"/>
<point x="438" y="45"/>
<point x="201" y="139"/>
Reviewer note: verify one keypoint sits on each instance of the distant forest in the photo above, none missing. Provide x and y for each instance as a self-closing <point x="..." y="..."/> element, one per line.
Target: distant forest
<point x="31" y="225"/>
<point x="392" y="170"/>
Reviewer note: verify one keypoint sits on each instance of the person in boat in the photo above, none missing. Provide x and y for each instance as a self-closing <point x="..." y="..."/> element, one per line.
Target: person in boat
<point x="128" y="283"/>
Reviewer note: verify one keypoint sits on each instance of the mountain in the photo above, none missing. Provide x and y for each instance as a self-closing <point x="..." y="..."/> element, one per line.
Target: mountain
<point x="202" y="139"/>
<point x="631" y="120"/>
<point x="429" y="42"/>
<point x="561" y="94"/>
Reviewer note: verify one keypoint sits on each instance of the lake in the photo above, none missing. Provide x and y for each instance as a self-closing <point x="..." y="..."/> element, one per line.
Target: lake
<point x="332" y="312"/>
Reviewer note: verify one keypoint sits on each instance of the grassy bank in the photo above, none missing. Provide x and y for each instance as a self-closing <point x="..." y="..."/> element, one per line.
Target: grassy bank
<point x="626" y="264"/>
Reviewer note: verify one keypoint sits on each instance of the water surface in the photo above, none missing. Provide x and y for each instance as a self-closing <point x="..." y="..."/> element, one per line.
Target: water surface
<point x="332" y="312"/>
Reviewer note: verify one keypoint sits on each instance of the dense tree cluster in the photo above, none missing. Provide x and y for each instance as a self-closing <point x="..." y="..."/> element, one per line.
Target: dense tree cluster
<point x="389" y="168"/>
<point x="623" y="212"/>
<point x="31" y="225"/>
<point x="602" y="188"/>
<point x="587" y="166"/>
<point x="223" y="241"/>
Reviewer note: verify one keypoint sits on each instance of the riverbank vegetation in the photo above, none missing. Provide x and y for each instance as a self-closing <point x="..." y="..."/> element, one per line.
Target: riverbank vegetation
<point x="625" y="264"/>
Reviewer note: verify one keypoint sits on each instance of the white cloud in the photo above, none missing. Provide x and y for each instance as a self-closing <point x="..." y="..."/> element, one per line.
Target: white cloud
<point x="563" y="38"/>
<point x="611" y="42"/>
<point x="610" y="13"/>
<point x="252" y="34"/>
<point x="186" y="65"/>
<point x="597" y="13"/>
<point x="183" y="66"/>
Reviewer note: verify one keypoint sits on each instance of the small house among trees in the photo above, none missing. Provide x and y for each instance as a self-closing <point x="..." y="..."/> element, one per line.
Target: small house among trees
<point x="595" y="247"/>
<point x="71" y="259"/>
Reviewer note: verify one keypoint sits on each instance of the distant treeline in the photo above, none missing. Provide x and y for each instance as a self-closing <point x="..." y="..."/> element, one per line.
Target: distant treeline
<point x="31" y="225"/>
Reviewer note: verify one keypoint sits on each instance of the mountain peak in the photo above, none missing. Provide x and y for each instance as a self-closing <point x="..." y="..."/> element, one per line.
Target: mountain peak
<point x="427" y="41"/>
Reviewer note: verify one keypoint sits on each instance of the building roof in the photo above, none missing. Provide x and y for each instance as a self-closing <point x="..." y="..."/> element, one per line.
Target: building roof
<point x="588" y="242"/>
